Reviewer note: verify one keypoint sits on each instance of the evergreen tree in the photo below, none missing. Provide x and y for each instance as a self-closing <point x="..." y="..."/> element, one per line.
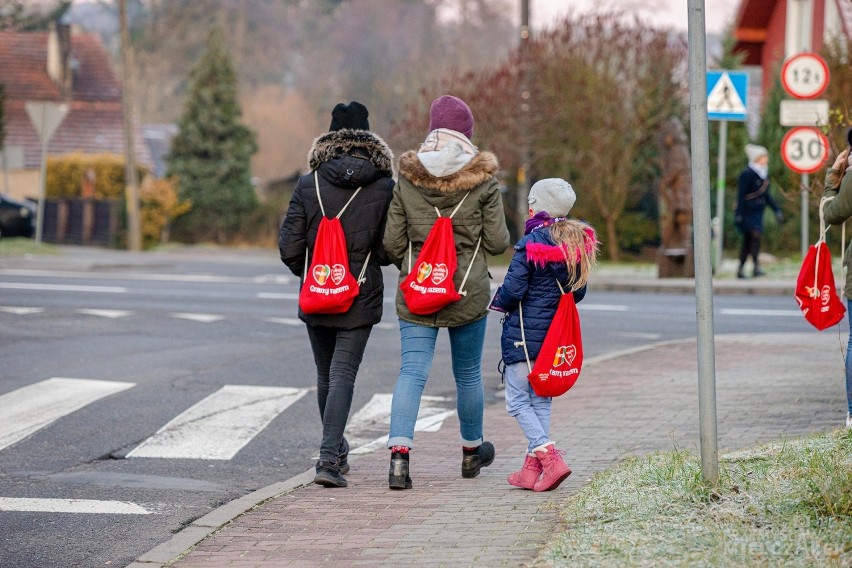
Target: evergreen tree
<point x="212" y="151"/>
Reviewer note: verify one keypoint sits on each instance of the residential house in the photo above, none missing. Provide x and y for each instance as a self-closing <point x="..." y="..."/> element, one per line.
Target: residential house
<point x="63" y="65"/>
<point x="769" y="31"/>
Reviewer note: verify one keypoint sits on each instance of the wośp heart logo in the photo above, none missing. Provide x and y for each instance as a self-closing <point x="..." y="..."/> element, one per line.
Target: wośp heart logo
<point x="564" y="355"/>
<point x="338" y="272"/>
<point x="439" y="273"/>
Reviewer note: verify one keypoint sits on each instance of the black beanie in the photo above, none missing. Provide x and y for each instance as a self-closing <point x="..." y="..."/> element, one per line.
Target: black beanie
<point x="352" y="116"/>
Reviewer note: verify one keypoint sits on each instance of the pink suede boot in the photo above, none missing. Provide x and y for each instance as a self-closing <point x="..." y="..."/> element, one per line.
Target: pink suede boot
<point x="555" y="468"/>
<point x="526" y="477"/>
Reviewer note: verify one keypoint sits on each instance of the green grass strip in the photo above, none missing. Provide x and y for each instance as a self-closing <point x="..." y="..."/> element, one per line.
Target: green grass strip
<point x="783" y="504"/>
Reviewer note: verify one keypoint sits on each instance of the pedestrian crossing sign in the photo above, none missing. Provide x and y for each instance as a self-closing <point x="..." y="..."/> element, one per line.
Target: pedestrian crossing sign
<point x="726" y="95"/>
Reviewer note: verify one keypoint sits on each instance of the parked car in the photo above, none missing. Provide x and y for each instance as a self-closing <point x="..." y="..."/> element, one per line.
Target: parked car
<point x="17" y="218"/>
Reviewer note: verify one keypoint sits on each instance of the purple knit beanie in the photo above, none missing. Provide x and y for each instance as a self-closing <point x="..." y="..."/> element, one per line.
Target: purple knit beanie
<point x="451" y="113"/>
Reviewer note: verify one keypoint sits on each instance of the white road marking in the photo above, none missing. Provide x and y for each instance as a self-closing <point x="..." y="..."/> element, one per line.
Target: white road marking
<point x="148" y="276"/>
<point x="62" y="287"/>
<point x="113" y="314"/>
<point x="272" y="279"/>
<point x="286" y="321"/>
<point x="277" y="296"/>
<point x="755" y="312"/>
<point x="376" y="415"/>
<point x="638" y="334"/>
<point x="88" y="506"/>
<point x="35" y="406"/>
<point x="201" y="318"/>
<point x="386" y="325"/>
<point x="601" y="307"/>
<point x="218" y="427"/>
<point x="21" y="311"/>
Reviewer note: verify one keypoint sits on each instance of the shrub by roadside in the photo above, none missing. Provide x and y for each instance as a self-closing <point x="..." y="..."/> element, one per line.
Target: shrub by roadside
<point x="787" y="503"/>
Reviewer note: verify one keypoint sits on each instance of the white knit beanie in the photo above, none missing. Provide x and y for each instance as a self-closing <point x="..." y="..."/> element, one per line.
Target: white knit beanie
<point x="553" y="195"/>
<point x="753" y="152"/>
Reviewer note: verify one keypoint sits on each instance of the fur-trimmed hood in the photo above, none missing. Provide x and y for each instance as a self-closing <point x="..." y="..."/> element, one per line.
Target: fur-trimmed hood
<point x="479" y="170"/>
<point x="361" y="143"/>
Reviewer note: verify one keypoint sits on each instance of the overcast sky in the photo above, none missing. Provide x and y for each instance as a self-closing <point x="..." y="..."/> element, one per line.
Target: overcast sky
<point x="671" y="13"/>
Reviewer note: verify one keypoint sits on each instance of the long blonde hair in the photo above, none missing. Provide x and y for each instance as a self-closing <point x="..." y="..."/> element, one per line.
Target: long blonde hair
<point x="579" y="245"/>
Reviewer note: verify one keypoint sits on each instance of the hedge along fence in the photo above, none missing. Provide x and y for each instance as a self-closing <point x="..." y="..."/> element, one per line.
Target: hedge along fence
<point x="100" y="174"/>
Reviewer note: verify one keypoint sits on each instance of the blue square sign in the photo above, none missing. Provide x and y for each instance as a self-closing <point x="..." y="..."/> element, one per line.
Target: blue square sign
<point x="726" y="95"/>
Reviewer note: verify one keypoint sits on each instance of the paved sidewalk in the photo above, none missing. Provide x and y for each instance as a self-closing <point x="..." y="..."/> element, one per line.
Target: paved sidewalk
<point x="769" y="386"/>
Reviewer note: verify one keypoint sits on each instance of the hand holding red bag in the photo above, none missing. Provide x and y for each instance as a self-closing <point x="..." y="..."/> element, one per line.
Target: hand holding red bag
<point x="815" y="288"/>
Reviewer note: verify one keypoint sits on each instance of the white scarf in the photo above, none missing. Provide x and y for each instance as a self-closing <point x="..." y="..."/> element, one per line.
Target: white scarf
<point x="761" y="170"/>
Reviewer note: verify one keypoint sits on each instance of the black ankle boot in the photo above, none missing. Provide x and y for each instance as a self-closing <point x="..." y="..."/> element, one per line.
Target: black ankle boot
<point x="328" y="475"/>
<point x="398" y="475"/>
<point x="477" y="458"/>
<point x="343" y="458"/>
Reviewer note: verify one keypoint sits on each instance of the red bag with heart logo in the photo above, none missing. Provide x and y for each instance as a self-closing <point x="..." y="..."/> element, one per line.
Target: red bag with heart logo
<point x="560" y="359"/>
<point x="328" y="286"/>
<point x="429" y="286"/>
<point x="815" y="289"/>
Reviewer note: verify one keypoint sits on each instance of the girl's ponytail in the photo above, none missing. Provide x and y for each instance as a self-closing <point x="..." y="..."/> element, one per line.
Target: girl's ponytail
<point x="579" y="245"/>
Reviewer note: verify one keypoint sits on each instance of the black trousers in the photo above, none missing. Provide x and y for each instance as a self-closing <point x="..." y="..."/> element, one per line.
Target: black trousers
<point x="337" y="354"/>
<point x="750" y="247"/>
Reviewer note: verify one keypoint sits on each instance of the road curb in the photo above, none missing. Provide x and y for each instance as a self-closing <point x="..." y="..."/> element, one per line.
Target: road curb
<point x="205" y="526"/>
<point x="184" y="540"/>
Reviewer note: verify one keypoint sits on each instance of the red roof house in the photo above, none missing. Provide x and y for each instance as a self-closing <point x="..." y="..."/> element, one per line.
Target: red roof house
<point x="60" y="66"/>
<point x="765" y="36"/>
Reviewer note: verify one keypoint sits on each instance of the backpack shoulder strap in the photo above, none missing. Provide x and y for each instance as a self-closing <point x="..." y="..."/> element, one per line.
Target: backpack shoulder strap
<point x="319" y="199"/>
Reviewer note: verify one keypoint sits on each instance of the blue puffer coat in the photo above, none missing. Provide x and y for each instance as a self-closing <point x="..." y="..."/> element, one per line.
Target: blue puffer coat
<point x="532" y="276"/>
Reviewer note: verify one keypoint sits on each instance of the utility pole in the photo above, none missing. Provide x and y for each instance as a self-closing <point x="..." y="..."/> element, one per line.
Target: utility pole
<point x="701" y="215"/>
<point x="134" y="229"/>
<point x="521" y="202"/>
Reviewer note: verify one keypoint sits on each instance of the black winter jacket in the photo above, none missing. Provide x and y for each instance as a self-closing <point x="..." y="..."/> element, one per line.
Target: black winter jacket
<point x="752" y="198"/>
<point x="344" y="160"/>
<point x="536" y="266"/>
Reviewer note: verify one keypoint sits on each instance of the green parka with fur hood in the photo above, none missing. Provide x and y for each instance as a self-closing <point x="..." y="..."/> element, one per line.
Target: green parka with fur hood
<point x="412" y="214"/>
<point x="839" y="210"/>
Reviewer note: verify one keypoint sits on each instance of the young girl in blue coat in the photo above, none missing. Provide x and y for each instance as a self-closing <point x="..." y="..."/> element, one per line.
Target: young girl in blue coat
<point x="555" y="251"/>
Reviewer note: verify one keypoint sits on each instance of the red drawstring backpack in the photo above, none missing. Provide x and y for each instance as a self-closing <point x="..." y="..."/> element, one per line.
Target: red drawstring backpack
<point x="815" y="288"/>
<point x="429" y="287"/>
<point x="328" y="286"/>
<point x="560" y="360"/>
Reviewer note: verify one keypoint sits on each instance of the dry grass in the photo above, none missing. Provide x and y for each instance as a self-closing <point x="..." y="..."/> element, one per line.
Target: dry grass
<point x="786" y="504"/>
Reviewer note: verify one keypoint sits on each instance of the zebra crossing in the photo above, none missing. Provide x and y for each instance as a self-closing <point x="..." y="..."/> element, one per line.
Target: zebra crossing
<point x="215" y="428"/>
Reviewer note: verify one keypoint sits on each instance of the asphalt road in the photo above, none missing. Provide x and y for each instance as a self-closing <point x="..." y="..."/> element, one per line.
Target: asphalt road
<point x="174" y="331"/>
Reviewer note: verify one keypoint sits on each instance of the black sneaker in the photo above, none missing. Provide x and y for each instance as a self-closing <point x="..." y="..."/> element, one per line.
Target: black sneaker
<point x="758" y="273"/>
<point x="343" y="458"/>
<point x="398" y="475"/>
<point x="474" y="460"/>
<point x="328" y="475"/>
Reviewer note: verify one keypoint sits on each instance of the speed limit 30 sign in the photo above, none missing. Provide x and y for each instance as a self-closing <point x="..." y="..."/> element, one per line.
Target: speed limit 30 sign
<point x="805" y="76"/>
<point x="804" y="150"/>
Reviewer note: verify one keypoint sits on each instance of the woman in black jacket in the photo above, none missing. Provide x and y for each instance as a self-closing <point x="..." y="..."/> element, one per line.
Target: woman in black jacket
<point x="345" y="159"/>
<point x="752" y="198"/>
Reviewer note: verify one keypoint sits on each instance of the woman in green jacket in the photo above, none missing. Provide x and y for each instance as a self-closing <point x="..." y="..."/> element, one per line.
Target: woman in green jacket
<point x="838" y="184"/>
<point x="449" y="174"/>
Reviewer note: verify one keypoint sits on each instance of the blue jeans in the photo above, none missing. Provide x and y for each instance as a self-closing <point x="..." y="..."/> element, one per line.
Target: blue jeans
<point x="530" y="410"/>
<point x="418" y="350"/>
<point x="849" y="358"/>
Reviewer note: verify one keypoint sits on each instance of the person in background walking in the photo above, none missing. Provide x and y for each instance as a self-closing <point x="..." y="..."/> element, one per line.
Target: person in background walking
<point x="345" y="159"/>
<point x="448" y="173"/>
<point x="539" y="271"/>
<point x="838" y="184"/>
<point x="752" y="198"/>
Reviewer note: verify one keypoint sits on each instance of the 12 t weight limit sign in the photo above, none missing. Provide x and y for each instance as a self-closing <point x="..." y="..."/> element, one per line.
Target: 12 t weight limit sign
<point x="805" y="76"/>
<point x="804" y="150"/>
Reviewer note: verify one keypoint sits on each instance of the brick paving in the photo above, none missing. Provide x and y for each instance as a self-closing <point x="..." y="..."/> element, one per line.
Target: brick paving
<point x="769" y="386"/>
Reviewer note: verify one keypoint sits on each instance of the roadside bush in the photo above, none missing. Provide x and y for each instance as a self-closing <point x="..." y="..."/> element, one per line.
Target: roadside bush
<point x="66" y="175"/>
<point x="160" y="205"/>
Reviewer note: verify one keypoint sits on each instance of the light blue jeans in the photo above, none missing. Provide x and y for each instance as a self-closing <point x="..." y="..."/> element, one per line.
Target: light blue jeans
<point x="418" y="350"/>
<point x="849" y="358"/>
<point x="530" y="410"/>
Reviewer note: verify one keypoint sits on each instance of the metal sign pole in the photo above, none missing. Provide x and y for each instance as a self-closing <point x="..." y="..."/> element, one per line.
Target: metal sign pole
<point x="45" y="138"/>
<point x="720" y="191"/>
<point x="805" y="239"/>
<point x="701" y="209"/>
